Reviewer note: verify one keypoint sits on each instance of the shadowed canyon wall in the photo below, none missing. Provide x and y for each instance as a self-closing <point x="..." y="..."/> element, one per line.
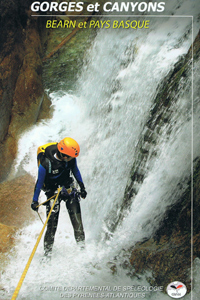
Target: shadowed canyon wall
<point x="21" y="88"/>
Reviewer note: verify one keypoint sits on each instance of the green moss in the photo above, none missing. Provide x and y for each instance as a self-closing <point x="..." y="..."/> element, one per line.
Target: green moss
<point x="60" y="72"/>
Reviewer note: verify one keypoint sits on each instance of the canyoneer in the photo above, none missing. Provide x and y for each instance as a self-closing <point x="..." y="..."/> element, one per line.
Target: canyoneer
<point x="57" y="167"/>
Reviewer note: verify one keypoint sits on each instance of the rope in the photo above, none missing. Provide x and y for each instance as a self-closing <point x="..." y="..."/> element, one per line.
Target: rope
<point x="46" y="201"/>
<point x="34" y="250"/>
<point x="42" y="204"/>
<point x="40" y="217"/>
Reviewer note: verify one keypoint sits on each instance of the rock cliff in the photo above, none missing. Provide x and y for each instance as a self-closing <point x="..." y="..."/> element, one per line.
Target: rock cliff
<point x="15" y="199"/>
<point x="167" y="254"/>
<point x="24" y="42"/>
<point x="23" y="102"/>
<point x="22" y="96"/>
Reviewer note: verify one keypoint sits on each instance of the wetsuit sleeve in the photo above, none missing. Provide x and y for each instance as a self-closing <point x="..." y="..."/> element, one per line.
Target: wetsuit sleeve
<point x="76" y="173"/>
<point x="40" y="182"/>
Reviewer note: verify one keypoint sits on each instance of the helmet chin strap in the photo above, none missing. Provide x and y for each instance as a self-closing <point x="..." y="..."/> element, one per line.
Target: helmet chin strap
<point x="56" y="156"/>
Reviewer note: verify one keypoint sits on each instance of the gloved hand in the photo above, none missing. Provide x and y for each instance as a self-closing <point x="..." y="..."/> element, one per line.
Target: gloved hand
<point x="34" y="205"/>
<point x="83" y="193"/>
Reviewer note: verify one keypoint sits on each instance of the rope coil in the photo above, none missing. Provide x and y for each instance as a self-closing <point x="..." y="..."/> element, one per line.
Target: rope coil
<point x="15" y="294"/>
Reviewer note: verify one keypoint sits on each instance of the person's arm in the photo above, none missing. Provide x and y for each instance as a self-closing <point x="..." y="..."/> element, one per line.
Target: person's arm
<point x="39" y="183"/>
<point x="77" y="175"/>
<point x="76" y="172"/>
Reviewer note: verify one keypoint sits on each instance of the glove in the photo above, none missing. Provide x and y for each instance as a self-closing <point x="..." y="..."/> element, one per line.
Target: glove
<point x="83" y="193"/>
<point x="34" y="205"/>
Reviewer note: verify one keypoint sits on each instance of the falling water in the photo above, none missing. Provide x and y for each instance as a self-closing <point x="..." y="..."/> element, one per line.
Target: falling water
<point x="106" y="115"/>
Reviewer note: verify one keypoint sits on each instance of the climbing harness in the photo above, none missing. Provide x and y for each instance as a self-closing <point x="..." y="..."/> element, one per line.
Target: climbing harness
<point x="34" y="250"/>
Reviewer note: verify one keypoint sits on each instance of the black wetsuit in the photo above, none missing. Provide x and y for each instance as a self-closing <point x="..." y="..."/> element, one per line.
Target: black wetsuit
<point x="53" y="173"/>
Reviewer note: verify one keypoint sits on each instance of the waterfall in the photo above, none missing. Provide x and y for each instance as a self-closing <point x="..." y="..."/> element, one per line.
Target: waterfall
<point x="107" y="114"/>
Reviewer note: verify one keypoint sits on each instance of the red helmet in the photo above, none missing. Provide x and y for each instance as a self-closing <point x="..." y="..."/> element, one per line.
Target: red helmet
<point x="69" y="146"/>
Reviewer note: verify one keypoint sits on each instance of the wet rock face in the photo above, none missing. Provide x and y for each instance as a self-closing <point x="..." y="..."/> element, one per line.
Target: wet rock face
<point x="21" y="87"/>
<point x="15" y="200"/>
<point x="167" y="254"/>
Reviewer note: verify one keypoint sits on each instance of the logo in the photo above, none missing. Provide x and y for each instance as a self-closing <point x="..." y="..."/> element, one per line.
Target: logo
<point x="55" y="171"/>
<point x="176" y="289"/>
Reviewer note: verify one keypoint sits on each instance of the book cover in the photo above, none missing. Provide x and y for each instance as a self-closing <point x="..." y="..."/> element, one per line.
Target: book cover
<point x="122" y="79"/>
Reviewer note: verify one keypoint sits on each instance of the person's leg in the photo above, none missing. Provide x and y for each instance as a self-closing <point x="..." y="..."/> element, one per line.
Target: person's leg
<point x="74" y="209"/>
<point x="51" y="225"/>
